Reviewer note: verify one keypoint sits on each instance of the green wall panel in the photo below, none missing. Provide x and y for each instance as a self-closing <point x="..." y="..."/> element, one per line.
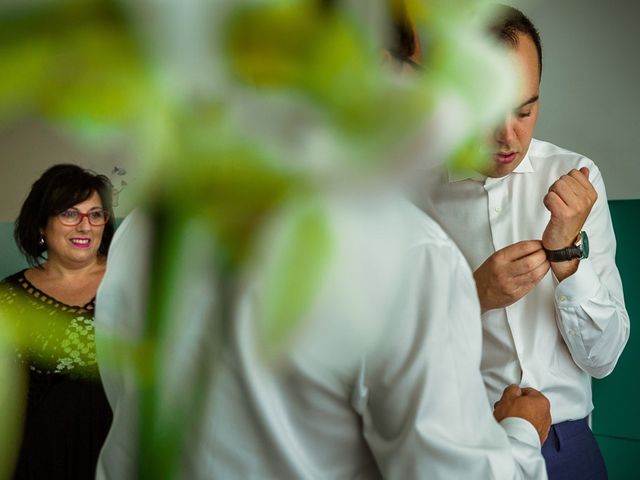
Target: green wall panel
<point x="616" y="397"/>
<point x="11" y="260"/>
<point x="622" y="457"/>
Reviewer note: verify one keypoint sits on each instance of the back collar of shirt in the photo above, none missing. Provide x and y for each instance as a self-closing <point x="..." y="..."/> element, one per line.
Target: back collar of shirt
<point x="525" y="166"/>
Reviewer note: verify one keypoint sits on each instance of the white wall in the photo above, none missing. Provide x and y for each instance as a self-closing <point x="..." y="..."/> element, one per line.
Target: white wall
<point x="590" y="95"/>
<point x="28" y="147"/>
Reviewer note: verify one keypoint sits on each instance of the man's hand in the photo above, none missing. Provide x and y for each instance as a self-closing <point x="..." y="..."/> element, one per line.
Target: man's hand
<point x="569" y="200"/>
<point x="527" y="403"/>
<point x="510" y="273"/>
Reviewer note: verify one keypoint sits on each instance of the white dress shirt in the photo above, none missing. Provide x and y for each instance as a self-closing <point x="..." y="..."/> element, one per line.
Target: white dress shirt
<point x="380" y="379"/>
<point x="561" y="333"/>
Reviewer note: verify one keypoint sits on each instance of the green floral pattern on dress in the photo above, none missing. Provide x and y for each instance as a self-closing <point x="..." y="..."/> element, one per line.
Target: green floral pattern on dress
<point x="52" y="337"/>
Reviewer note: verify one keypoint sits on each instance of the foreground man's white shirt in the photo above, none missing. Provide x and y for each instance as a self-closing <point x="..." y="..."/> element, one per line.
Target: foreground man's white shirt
<point x="381" y="379"/>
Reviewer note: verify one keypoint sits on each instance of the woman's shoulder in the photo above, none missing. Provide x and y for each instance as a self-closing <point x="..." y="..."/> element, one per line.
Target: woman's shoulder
<point x="11" y="287"/>
<point x="13" y="279"/>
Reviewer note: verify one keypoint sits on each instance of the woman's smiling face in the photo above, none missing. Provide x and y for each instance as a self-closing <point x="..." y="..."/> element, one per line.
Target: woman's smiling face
<point x="74" y="245"/>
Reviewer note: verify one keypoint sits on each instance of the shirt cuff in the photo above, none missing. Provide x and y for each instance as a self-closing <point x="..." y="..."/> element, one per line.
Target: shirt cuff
<point x="521" y="430"/>
<point x="580" y="286"/>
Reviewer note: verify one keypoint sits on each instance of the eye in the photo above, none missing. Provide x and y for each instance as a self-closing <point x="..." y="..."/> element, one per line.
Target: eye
<point x="523" y="114"/>
<point x="96" y="215"/>
<point x="69" y="214"/>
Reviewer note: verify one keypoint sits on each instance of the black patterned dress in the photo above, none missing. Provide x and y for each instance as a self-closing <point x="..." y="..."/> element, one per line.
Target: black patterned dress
<point x="67" y="415"/>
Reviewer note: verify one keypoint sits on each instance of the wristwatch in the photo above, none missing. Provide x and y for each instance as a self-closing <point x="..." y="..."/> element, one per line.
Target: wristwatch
<point x="580" y="250"/>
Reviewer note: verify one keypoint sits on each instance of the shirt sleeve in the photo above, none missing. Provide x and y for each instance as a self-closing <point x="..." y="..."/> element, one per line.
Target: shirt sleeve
<point x="180" y="356"/>
<point x="120" y="303"/>
<point x="427" y="414"/>
<point x="591" y="314"/>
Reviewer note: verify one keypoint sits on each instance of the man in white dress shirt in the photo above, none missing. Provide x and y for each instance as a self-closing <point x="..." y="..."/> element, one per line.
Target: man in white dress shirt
<point x="381" y="378"/>
<point x="534" y="226"/>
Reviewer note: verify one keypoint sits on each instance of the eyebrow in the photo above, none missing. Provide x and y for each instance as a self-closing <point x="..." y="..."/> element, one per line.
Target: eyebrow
<point x="533" y="99"/>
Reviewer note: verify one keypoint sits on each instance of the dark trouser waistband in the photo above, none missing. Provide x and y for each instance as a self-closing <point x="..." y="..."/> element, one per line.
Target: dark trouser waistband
<point x="571" y="452"/>
<point x="570" y="428"/>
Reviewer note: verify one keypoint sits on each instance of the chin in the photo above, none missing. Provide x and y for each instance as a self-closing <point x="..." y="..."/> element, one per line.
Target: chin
<point x="499" y="170"/>
<point x="85" y="256"/>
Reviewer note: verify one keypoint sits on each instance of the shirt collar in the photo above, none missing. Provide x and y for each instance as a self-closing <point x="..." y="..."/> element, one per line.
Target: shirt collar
<point x="525" y="166"/>
<point x="457" y="175"/>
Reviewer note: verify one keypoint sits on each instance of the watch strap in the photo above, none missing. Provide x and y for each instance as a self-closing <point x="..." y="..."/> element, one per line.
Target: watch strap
<point x="564" y="254"/>
<point x="579" y="250"/>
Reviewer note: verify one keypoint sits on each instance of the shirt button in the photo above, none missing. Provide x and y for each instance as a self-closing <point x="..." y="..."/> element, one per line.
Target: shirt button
<point x="572" y="332"/>
<point x="498" y="209"/>
<point x="562" y="298"/>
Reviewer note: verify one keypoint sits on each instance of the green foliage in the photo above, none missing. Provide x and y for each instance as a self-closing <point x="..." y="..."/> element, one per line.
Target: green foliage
<point x="326" y="60"/>
<point x="97" y="69"/>
<point x="295" y="272"/>
<point x="73" y="62"/>
<point x="11" y="405"/>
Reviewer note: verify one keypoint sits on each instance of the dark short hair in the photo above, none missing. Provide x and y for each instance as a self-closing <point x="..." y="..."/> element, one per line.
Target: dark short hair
<point x="509" y="22"/>
<point x="402" y="41"/>
<point x="60" y="187"/>
<point x="403" y="37"/>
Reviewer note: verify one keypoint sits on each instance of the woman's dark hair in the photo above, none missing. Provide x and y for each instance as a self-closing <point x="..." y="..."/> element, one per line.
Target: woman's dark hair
<point x="60" y="187"/>
<point x="509" y="22"/>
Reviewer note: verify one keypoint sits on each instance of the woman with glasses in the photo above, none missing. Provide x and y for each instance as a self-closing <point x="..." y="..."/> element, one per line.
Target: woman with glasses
<point x="64" y="230"/>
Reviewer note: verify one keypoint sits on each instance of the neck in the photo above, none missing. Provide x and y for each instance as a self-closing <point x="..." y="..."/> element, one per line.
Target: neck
<point x="56" y="268"/>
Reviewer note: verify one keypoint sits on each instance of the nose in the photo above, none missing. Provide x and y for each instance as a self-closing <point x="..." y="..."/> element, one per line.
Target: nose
<point x="504" y="134"/>
<point x="84" y="225"/>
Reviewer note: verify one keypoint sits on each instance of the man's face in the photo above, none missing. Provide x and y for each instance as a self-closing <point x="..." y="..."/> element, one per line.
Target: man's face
<point x="511" y="139"/>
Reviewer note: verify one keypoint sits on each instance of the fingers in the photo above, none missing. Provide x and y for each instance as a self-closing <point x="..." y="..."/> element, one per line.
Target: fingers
<point x="529" y="263"/>
<point x="523" y="284"/>
<point x="582" y="177"/>
<point x="527" y="403"/>
<point x="568" y="189"/>
<point x="573" y="187"/>
<point x="520" y="249"/>
<point x="512" y="391"/>
<point x="537" y="395"/>
<point x="569" y="200"/>
<point x="533" y="277"/>
<point x="530" y="392"/>
<point x="501" y="281"/>
<point x="543" y="419"/>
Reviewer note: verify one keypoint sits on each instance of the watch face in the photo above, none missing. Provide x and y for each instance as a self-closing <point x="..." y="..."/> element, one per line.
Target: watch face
<point x="584" y="244"/>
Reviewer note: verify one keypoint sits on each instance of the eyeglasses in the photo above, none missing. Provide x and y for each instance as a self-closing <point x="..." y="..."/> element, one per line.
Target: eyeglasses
<point x="72" y="217"/>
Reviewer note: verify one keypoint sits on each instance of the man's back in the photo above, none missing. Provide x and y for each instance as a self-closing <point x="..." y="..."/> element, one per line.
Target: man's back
<point x="379" y="378"/>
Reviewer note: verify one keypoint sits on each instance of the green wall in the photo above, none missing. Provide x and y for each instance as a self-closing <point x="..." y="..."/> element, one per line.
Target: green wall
<point x="616" y="420"/>
<point x="11" y="260"/>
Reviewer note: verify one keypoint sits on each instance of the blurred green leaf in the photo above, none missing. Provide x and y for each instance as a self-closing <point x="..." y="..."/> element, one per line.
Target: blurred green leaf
<point x="12" y="394"/>
<point x="471" y="155"/>
<point x="295" y="271"/>
<point x="72" y="62"/>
